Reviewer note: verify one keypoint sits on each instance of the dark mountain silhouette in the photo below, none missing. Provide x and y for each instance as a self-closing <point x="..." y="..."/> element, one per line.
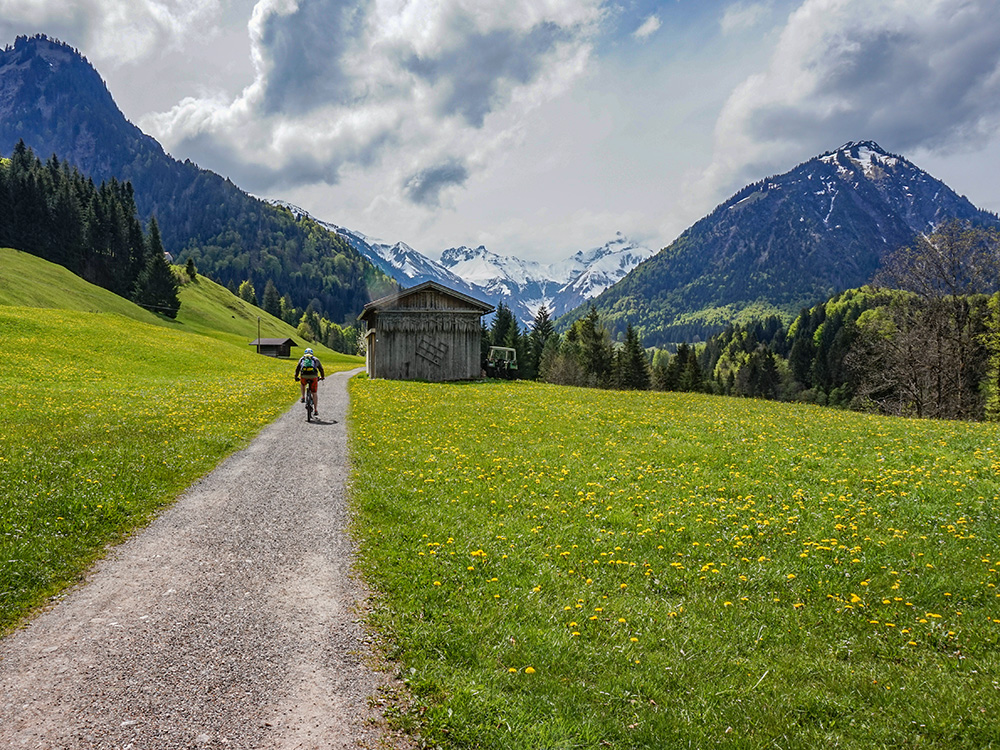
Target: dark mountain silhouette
<point x="783" y="243"/>
<point x="56" y="102"/>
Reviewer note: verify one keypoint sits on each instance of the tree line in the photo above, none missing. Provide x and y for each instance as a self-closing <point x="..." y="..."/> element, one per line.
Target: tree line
<point x="922" y="341"/>
<point x="52" y="211"/>
<point x="583" y="356"/>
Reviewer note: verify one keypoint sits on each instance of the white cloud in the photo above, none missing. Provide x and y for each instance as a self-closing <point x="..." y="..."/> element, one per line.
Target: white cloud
<point x="115" y="30"/>
<point x="426" y="85"/>
<point x="910" y="75"/>
<point x="742" y="16"/>
<point x="649" y="27"/>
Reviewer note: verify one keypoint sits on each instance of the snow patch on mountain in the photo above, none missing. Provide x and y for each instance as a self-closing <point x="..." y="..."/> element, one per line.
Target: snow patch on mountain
<point x="523" y="286"/>
<point x="603" y="267"/>
<point x="867" y="155"/>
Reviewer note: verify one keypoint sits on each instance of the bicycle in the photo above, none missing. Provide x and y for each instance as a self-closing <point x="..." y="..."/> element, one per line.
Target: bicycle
<point x="310" y="403"/>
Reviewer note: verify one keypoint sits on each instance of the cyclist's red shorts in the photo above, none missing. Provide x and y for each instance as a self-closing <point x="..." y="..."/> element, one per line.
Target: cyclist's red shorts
<point x="312" y="382"/>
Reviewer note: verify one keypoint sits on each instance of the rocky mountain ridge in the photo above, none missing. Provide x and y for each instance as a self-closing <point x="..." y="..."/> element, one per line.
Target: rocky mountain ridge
<point x="523" y="286"/>
<point x="783" y="243"/>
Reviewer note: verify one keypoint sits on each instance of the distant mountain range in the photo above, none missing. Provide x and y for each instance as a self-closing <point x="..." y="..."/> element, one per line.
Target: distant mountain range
<point x="53" y="99"/>
<point x="784" y="243"/>
<point x="523" y="286"/>
<point x="777" y="245"/>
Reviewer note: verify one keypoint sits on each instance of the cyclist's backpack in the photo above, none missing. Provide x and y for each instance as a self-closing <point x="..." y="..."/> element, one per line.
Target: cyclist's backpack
<point x="308" y="366"/>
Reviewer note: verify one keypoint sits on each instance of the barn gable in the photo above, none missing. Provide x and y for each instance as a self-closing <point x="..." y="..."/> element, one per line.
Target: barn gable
<point x="428" y="332"/>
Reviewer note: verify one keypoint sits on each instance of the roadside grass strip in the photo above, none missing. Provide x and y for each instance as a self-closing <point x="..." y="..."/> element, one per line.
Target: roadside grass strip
<point x="103" y="420"/>
<point x="564" y="567"/>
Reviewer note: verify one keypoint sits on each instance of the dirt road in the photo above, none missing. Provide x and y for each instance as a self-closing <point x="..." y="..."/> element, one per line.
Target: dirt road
<point x="232" y="621"/>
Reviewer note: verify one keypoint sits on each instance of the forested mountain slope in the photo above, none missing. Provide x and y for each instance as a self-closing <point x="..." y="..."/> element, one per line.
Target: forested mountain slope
<point x="784" y="243"/>
<point x="53" y="99"/>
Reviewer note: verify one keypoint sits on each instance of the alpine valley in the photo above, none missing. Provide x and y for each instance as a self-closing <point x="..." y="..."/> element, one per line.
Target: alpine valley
<point x="523" y="286"/>
<point x="774" y="247"/>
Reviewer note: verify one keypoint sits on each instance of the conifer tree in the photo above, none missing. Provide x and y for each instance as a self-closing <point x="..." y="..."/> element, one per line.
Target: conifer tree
<point x="271" y="302"/>
<point x="674" y="369"/>
<point x="596" y="353"/>
<point x="631" y="365"/>
<point x="658" y="375"/>
<point x="311" y="320"/>
<point x="541" y="330"/>
<point x="289" y="313"/>
<point x="503" y="322"/>
<point x="156" y="287"/>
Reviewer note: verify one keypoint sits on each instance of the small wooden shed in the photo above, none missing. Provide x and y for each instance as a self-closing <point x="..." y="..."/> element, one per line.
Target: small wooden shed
<point x="427" y="332"/>
<point x="274" y="347"/>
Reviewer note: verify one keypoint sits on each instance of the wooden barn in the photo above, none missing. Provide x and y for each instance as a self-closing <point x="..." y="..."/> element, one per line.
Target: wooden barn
<point x="274" y="347"/>
<point x="428" y="332"/>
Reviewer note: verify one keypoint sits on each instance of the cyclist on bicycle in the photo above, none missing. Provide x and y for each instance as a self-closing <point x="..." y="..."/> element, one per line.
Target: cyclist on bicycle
<point x="309" y="371"/>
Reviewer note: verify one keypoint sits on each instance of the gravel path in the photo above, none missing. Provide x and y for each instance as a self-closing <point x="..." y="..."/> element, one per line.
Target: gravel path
<point x="232" y="621"/>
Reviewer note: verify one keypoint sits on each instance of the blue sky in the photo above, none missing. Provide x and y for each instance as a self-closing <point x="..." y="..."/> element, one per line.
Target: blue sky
<point x="539" y="127"/>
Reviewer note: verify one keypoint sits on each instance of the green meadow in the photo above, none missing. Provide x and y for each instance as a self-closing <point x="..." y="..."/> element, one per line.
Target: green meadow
<point x="570" y="568"/>
<point x="108" y="412"/>
<point x="554" y="567"/>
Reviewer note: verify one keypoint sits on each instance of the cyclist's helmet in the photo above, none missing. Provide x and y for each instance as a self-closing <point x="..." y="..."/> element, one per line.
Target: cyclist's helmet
<point x="308" y="350"/>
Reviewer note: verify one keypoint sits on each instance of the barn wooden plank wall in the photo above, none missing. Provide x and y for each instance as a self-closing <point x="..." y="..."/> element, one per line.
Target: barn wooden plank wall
<point x="427" y="333"/>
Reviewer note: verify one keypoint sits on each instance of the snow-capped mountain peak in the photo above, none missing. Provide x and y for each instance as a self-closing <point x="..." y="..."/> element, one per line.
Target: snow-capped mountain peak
<point x="867" y="155"/>
<point x="526" y="285"/>
<point x="483" y="267"/>
<point x="523" y="286"/>
<point x="603" y="267"/>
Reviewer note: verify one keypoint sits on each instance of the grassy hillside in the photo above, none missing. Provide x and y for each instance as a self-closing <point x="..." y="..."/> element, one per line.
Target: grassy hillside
<point x="28" y="281"/>
<point x="207" y="308"/>
<point x="578" y="568"/>
<point x="107" y="413"/>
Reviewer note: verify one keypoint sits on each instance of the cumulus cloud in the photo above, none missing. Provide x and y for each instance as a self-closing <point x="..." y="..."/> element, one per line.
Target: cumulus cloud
<point x="910" y="75"/>
<point x="118" y="30"/>
<point x="472" y="76"/>
<point x="649" y="27"/>
<point x="300" y="50"/>
<point x="426" y="84"/>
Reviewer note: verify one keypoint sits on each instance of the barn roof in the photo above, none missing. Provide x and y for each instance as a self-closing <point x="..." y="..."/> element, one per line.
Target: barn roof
<point x="393" y="300"/>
